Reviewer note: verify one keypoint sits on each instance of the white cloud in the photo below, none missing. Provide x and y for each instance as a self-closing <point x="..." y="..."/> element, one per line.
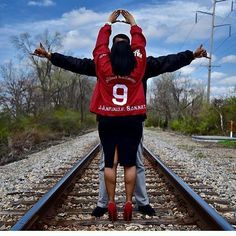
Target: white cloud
<point x="7" y="61"/>
<point x="78" y="28"/>
<point x="223" y="8"/>
<point x="152" y="31"/>
<point x="229" y="59"/>
<point x="173" y="21"/>
<point x="222" y="91"/>
<point x="200" y="62"/>
<point x="187" y="30"/>
<point x="169" y="13"/>
<point x="227" y="81"/>
<point x="217" y="75"/>
<point x="82" y="17"/>
<point x="187" y="70"/>
<point x="74" y="40"/>
<point x="42" y="3"/>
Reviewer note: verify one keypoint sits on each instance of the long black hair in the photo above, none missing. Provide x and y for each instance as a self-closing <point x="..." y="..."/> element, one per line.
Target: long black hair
<point x="122" y="57"/>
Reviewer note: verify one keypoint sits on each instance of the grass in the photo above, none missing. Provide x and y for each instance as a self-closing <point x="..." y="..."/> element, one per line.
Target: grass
<point x="228" y="144"/>
<point x="188" y="148"/>
<point x="200" y="155"/>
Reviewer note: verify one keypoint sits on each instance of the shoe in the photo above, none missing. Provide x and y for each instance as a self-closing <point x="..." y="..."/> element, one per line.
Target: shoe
<point x="99" y="211"/>
<point x="112" y="211"/>
<point x="128" y="211"/>
<point x="147" y="210"/>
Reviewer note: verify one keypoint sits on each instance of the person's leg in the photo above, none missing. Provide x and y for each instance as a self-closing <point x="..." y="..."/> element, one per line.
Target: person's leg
<point x="110" y="178"/>
<point x="102" y="197"/>
<point x="110" y="181"/>
<point x="140" y="192"/>
<point x="101" y="207"/>
<point x="130" y="179"/>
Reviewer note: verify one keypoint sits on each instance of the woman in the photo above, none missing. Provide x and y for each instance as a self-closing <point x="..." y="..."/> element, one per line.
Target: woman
<point x="119" y="102"/>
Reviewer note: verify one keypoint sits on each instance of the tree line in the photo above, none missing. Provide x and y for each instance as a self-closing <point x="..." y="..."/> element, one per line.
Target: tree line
<point x="181" y="106"/>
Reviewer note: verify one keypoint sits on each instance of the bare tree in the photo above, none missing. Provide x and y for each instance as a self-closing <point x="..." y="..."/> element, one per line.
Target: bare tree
<point x="72" y="91"/>
<point x="163" y="100"/>
<point x="218" y="105"/>
<point x="175" y="97"/>
<point x="43" y="68"/>
<point x="17" y="88"/>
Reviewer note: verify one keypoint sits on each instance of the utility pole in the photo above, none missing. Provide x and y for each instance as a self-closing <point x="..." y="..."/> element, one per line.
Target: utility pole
<point x="211" y="48"/>
<point x="213" y="26"/>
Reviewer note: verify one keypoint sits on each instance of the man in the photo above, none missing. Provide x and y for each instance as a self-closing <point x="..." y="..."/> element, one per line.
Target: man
<point x="154" y="67"/>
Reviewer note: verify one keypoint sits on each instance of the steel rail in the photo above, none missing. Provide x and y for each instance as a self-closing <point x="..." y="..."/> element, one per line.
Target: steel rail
<point x="45" y="203"/>
<point x="208" y="216"/>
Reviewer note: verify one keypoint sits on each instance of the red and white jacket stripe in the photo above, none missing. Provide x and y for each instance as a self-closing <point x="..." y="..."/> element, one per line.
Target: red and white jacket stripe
<point x="114" y="95"/>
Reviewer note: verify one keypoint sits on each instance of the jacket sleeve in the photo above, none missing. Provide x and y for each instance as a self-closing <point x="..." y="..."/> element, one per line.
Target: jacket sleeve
<point x="138" y="40"/>
<point x="83" y="66"/>
<point x="101" y="52"/>
<point x="159" y="65"/>
<point x="138" y="43"/>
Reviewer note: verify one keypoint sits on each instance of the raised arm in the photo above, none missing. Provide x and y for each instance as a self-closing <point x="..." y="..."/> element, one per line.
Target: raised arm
<point x="138" y="43"/>
<point x="101" y="47"/>
<point x="101" y="52"/>
<point x="172" y="62"/>
<point x="102" y="43"/>
<point x="138" y="40"/>
<point x="84" y="66"/>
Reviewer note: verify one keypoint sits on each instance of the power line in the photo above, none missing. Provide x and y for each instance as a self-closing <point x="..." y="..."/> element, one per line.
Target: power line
<point x="213" y="26"/>
<point x="186" y="38"/>
<point x="189" y="33"/>
<point x="231" y="47"/>
<point x="219" y="46"/>
<point x="224" y="42"/>
<point x="204" y="42"/>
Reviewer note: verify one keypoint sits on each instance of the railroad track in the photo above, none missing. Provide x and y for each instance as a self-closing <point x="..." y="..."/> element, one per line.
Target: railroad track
<point x="68" y="205"/>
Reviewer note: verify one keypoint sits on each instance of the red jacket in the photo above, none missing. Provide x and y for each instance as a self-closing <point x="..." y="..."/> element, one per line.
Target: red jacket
<point x="114" y="95"/>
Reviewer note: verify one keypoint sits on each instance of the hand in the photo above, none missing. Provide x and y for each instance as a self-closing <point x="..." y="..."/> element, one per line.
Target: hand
<point x="128" y="17"/>
<point x="200" y="52"/>
<point x="41" y="52"/>
<point x="112" y="18"/>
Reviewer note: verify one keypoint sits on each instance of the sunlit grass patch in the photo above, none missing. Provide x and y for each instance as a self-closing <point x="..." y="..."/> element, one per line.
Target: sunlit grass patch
<point x="228" y="143"/>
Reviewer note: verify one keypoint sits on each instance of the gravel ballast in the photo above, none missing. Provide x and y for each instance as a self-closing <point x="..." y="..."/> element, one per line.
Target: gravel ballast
<point x="214" y="165"/>
<point x="209" y="162"/>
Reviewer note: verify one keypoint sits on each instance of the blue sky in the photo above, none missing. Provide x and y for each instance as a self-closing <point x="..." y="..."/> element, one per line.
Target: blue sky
<point x="169" y="27"/>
